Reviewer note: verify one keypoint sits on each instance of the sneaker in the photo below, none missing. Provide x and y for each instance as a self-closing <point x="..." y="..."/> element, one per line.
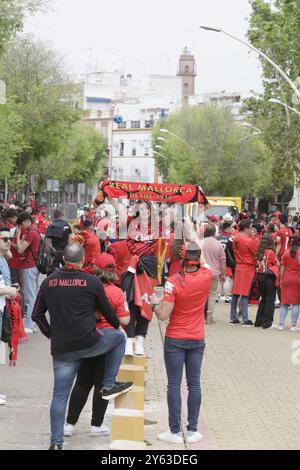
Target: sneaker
<point x="68" y="430"/>
<point x="2" y="401"/>
<point x="294" y="328"/>
<point x="97" y="431"/>
<point x="193" y="436"/>
<point x="139" y="346"/>
<point x="227" y="300"/>
<point x="56" y="447"/>
<point x="170" y="437"/>
<point x="235" y="322"/>
<point x="118" y="389"/>
<point x="3" y="396"/>
<point x="129" y="347"/>
<point x="277" y="304"/>
<point x="29" y="331"/>
<point x="281" y="327"/>
<point x="247" y="323"/>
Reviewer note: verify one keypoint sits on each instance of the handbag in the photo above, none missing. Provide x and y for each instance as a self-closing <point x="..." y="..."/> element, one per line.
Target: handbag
<point x="6" y="327"/>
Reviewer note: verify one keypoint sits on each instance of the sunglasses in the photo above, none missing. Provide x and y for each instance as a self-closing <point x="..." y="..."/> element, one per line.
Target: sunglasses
<point x="6" y="239"/>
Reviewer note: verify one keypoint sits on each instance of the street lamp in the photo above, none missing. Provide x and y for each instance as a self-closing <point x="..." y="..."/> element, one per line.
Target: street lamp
<point x="172" y="133"/>
<point x="160" y="154"/>
<point x="282" y="73"/>
<point x="276" y="101"/>
<point x="162" y="139"/>
<point x="247" y="124"/>
<point x="159" y="147"/>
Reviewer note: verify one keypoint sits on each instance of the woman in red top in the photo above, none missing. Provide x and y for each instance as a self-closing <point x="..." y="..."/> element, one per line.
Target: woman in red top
<point x="91" y="371"/>
<point x="268" y="272"/>
<point x="186" y="294"/>
<point x="290" y="283"/>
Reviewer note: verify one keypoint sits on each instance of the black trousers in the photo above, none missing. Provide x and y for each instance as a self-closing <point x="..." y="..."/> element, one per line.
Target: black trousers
<point x="138" y="325"/>
<point x="90" y="374"/>
<point x="265" y="312"/>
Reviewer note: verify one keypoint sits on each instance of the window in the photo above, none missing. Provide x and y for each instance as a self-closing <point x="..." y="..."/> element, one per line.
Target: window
<point x="122" y="148"/>
<point x="122" y="125"/>
<point x="149" y="123"/>
<point x="136" y="124"/>
<point x="133" y="153"/>
<point x="147" y="148"/>
<point x="186" y="69"/>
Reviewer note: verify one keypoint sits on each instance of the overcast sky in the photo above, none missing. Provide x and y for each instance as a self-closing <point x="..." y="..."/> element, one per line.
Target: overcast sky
<point x="147" y="36"/>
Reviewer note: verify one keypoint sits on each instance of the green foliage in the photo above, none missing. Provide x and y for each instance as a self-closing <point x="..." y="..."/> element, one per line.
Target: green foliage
<point x="216" y="153"/>
<point x="11" y="139"/>
<point x="275" y="30"/>
<point x="12" y="15"/>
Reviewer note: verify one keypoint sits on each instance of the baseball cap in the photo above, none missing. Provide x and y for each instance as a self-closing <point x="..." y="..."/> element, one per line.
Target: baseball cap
<point x="228" y="217"/>
<point x="213" y="218"/>
<point x="105" y="261"/>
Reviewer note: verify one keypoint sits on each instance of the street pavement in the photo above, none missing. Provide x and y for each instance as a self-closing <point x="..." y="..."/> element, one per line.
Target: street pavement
<point x="250" y="392"/>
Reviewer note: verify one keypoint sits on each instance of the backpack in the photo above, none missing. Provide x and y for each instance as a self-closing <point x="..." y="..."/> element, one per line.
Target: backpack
<point x="45" y="255"/>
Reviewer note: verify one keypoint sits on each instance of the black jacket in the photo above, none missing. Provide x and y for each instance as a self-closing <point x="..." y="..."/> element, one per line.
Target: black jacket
<point x="70" y="296"/>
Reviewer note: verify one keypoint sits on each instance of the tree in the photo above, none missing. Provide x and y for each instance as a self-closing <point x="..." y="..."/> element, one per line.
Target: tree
<point x="11" y="140"/>
<point x="12" y="17"/>
<point x="44" y="99"/>
<point x="216" y="153"/>
<point x="275" y="30"/>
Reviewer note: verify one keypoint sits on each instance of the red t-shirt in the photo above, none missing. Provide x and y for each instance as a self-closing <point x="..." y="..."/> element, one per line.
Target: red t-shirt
<point x="29" y="257"/>
<point x="244" y="248"/>
<point x="283" y="237"/>
<point x="189" y="293"/>
<point x="92" y="248"/>
<point x="41" y="224"/>
<point x="291" y="265"/>
<point x="117" y="298"/>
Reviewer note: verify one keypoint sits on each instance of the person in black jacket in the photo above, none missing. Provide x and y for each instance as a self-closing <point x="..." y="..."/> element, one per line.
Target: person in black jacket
<point x="58" y="233"/>
<point x="70" y="295"/>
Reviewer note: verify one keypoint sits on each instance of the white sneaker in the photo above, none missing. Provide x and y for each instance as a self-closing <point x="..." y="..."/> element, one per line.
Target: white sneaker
<point x="274" y="327"/>
<point x="294" y="328"/>
<point x="97" y="431"/>
<point x="68" y="430"/>
<point x="170" y="437"/>
<point x="193" y="436"/>
<point x="3" y="396"/>
<point x="2" y="401"/>
<point x="281" y="327"/>
<point x="129" y="347"/>
<point x="139" y="346"/>
<point x="29" y="331"/>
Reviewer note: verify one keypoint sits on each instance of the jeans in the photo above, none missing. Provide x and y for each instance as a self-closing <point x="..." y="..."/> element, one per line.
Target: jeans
<point x="284" y="310"/>
<point x="178" y="352"/>
<point x="244" y="307"/>
<point x="30" y="289"/>
<point x="65" y="367"/>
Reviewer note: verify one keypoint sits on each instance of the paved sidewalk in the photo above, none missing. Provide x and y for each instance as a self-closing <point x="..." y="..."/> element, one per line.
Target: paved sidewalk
<point x="250" y="392"/>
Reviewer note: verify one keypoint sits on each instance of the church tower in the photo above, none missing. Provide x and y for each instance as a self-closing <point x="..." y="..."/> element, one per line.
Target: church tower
<point x="187" y="70"/>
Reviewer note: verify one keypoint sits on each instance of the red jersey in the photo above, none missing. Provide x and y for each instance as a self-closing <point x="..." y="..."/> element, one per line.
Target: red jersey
<point x="92" y="248"/>
<point x="41" y="224"/>
<point x="29" y="257"/>
<point x="189" y="293"/>
<point x="117" y="299"/>
<point x="283" y="238"/>
<point x="119" y="250"/>
<point x="291" y="265"/>
<point x="244" y="248"/>
<point x="141" y="241"/>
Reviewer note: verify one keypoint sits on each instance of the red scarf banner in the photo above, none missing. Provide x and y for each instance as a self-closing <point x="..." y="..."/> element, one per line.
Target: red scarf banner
<point x="154" y="192"/>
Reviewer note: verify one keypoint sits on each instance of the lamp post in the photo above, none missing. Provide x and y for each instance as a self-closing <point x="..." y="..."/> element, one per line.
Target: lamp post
<point x="262" y="54"/>
<point x="160" y="154"/>
<point x="277" y="101"/>
<point x="294" y="204"/>
<point x="172" y="133"/>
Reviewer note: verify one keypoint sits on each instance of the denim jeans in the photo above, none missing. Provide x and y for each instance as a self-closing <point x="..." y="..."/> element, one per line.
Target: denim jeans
<point x="244" y="307"/>
<point x="30" y="289"/>
<point x="284" y="310"/>
<point x="178" y="352"/>
<point x="65" y="367"/>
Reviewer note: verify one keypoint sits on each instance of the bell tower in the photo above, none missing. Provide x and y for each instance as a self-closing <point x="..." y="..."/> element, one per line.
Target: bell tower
<point x="187" y="70"/>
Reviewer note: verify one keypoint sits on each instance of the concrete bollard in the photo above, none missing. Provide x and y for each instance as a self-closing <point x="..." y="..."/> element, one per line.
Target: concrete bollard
<point x="127" y="423"/>
<point x="127" y="445"/>
<point x="135" y="374"/>
<point x="133" y="400"/>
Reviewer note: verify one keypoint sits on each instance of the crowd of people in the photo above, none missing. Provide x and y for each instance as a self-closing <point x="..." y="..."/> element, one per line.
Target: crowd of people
<point x="250" y="259"/>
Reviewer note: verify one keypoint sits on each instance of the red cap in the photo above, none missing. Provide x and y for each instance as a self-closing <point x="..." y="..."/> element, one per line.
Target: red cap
<point x="277" y="213"/>
<point x="105" y="261"/>
<point x="213" y="218"/>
